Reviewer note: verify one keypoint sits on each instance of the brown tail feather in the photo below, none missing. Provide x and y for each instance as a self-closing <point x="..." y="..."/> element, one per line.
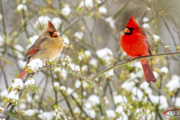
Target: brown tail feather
<point x="148" y="73"/>
<point x="22" y="73"/>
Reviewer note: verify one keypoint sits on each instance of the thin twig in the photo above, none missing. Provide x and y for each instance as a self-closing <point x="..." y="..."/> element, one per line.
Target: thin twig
<point x="4" y="74"/>
<point x="9" y="104"/>
<point x="83" y="14"/>
<point x="19" y="91"/>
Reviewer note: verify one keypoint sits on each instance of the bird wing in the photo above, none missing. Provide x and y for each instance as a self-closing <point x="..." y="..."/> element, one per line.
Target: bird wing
<point x="34" y="48"/>
<point x="149" y="47"/>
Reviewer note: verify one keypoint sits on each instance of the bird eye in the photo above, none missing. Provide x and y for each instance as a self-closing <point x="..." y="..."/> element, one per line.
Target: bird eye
<point x="131" y="29"/>
<point x="51" y="33"/>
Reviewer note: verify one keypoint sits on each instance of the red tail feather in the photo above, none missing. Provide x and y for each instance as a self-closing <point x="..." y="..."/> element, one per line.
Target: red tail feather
<point x="22" y="73"/>
<point x="148" y="73"/>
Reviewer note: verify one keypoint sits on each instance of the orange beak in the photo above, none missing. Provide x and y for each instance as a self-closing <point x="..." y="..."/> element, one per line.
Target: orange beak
<point x="127" y="30"/>
<point x="54" y="34"/>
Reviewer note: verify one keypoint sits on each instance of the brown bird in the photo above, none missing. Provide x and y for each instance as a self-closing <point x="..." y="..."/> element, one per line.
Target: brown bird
<point x="48" y="46"/>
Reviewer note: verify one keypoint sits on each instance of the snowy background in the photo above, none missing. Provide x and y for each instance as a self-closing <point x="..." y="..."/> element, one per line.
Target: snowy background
<point x="93" y="45"/>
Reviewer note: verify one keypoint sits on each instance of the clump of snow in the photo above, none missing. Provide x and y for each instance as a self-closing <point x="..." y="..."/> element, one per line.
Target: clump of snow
<point x="91" y="113"/>
<point x="128" y="84"/>
<point x="156" y="37"/>
<point x="29" y="98"/>
<point x="109" y="73"/>
<point x="111" y="22"/>
<point x="84" y="55"/>
<point x="79" y="35"/>
<point x="146" y="26"/>
<point x="77" y="110"/>
<point x="56" y="84"/>
<point x="46" y="115"/>
<point x="93" y="62"/>
<point x="102" y="10"/>
<point x="62" y="72"/>
<point x="136" y="64"/>
<point x="22" y="106"/>
<point x="1" y="40"/>
<point x="87" y="53"/>
<point x="110" y="113"/>
<point x="30" y="112"/>
<point x="105" y="54"/>
<point x="88" y="105"/>
<point x="19" y="48"/>
<point x="87" y="3"/>
<point x="56" y="22"/>
<point x="119" y="109"/>
<point x="119" y="99"/>
<point x="21" y="63"/>
<point x="137" y="94"/>
<point x="71" y="91"/>
<point x="63" y="88"/>
<point x="174" y="83"/>
<point x="94" y="100"/>
<point x="77" y="84"/>
<point x="164" y="70"/>
<point x="155" y="74"/>
<point x="177" y="103"/>
<point x="162" y="100"/>
<point x="1" y="17"/>
<point x="35" y="64"/>
<point x="43" y="20"/>
<point x="148" y="9"/>
<point x="21" y="7"/>
<point x="66" y="10"/>
<point x="145" y="19"/>
<point x="30" y="82"/>
<point x="13" y="95"/>
<point x="123" y="115"/>
<point x="84" y="84"/>
<point x="139" y="74"/>
<point x="1" y="108"/>
<point x="17" y="83"/>
<point x="146" y="88"/>
<point x="84" y="68"/>
<point x="59" y="114"/>
<point x="65" y="41"/>
<point x="4" y="93"/>
<point x="84" y="93"/>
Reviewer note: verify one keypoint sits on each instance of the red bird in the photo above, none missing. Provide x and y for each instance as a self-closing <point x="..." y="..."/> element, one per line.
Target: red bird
<point x="134" y="43"/>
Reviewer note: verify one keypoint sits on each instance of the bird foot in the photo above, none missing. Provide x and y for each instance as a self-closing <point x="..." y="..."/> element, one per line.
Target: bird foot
<point x="129" y="59"/>
<point x="48" y="65"/>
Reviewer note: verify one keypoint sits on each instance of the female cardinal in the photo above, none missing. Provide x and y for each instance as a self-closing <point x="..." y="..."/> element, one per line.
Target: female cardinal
<point x="48" y="46"/>
<point x="134" y="43"/>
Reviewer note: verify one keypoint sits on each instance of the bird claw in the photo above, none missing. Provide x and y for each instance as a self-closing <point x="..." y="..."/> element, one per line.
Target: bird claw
<point x="139" y="57"/>
<point x="129" y="59"/>
<point x="48" y="65"/>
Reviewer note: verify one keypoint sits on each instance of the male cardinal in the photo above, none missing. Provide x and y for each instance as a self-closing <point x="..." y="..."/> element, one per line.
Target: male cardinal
<point x="48" y="46"/>
<point x="134" y="43"/>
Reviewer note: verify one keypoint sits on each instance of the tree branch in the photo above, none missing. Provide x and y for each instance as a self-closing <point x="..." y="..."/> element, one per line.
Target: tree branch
<point x="134" y="59"/>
